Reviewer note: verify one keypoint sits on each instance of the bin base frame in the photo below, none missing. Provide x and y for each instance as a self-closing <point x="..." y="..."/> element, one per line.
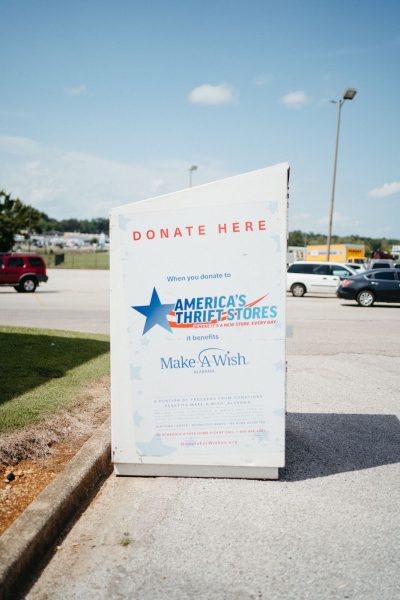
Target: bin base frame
<point x="218" y="471"/>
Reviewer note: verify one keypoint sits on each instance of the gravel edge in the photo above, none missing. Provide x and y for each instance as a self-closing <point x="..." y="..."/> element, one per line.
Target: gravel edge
<point x="24" y="544"/>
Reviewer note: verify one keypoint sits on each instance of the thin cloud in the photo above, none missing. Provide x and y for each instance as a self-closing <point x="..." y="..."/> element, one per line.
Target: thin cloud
<point x="340" y="219"/>
<point x="386" y="231"/>
<point x="15" y="146"/>
<point x="295" y="99"/>
<point x="387" y="189"/>
<point x="77" y="90"/>
<point x="68" y="183"/>
<point x="262" y="80"/>
<point x="302" y="217"/>
<point x="17" y="114"/>
<point x="355" y="50"/>
<point x="212" y="95"/>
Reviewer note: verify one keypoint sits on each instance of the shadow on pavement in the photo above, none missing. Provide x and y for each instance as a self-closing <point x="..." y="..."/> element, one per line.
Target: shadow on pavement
<point x="319" y="444"/>
<point x="38" y="291"/>
<point x="376" y="305"/>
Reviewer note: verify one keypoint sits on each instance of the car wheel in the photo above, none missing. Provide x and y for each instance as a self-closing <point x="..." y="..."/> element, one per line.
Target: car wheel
<point x="28" y="285"/>
<point x="365" y="298"/>
<point x="298" y="290"/>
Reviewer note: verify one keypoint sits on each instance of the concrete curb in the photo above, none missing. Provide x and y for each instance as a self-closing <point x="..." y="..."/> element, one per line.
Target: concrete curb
<point x="26" y="541"/>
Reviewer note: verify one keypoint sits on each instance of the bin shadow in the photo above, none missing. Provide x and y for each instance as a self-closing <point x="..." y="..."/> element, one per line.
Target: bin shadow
<point x="322" y="444"/>
<point x="30" y="360"/>
<point x="40" y="291"/>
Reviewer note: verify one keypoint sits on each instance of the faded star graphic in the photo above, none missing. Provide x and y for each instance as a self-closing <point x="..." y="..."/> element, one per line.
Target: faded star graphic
<point x="262" y="437"/>
<point x="123" y="223"/>
<point x="277" y="241"/>
<point x="155" y="313"/>
<point x="279" y="412"/>
<point x="272" y="207"/>
<point x="280" y="365"/>
<point x="137" y="418"/>
<point x="154" y="447"/>
<point x="135" y="372"/>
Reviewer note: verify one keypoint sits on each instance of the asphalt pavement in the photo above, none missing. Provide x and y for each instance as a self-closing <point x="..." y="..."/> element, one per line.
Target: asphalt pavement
<point x="72" y="299"/>
<point x="328" y="529"/>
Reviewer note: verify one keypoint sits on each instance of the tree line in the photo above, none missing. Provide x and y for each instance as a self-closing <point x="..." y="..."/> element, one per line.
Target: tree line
<point x="16" y="217"/>
<point x="302" y="238"/>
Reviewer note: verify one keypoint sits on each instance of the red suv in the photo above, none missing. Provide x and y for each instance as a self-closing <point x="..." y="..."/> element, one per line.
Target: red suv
<point x="23" y="271"/>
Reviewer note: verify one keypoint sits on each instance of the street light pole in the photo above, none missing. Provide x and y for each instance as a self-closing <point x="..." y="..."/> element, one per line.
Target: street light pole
<point x="191" y="169"/>
<point x="348" y="95"/>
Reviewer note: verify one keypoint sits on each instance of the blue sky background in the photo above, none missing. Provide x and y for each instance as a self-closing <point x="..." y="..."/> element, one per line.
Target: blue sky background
<point x="102" y="103"/>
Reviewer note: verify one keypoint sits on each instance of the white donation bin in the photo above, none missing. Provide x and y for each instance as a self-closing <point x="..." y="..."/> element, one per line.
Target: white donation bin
<point x="198" y="287"/>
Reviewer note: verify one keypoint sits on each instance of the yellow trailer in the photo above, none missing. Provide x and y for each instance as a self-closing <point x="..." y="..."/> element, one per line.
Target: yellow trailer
<point x="339" y="252"/>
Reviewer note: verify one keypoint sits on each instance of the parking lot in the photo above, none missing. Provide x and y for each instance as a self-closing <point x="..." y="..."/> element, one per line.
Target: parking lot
<point x="74" y="300"/>
<point x="78" y="300"/>
<point x="328" y="528"/>
<point x="325" y="325"/>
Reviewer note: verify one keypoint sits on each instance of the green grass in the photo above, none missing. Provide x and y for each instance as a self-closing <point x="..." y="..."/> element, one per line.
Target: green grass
<point x="79" y="260"/>
<point x="42" y="371"/>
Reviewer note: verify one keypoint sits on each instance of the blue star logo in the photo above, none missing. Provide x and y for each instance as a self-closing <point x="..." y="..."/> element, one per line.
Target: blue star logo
<point x="155" y="313"/>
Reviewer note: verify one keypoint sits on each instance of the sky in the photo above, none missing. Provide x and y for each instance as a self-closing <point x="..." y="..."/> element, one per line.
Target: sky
<point x="108" y="102"/>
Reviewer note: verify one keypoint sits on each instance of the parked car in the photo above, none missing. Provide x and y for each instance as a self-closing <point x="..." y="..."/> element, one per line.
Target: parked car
<point x="23" y="272"/>
<point x="381" y="263"/>
<point x="316" y="276"/>
<point x="371" y="286"/>
<point x="357" y="267"/>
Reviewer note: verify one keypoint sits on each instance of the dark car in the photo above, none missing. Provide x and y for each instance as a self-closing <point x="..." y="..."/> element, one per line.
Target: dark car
<point x="23" y="272"/>
<point x="371" y="286"/>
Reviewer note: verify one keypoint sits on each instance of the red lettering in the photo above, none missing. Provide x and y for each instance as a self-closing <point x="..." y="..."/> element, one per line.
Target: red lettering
<point x="235" y="227"/>
<point x="189" y="229"/>
<point x="136" y="235"/>
<point x="202" y="230"/>
<point x="150" y="234"/>
<point x="177" y="232"/>
<point x="262" y="226"/>
<point x="222" y="228"/>
<point x="164" y="233"/>
<point x="249" y="226"/>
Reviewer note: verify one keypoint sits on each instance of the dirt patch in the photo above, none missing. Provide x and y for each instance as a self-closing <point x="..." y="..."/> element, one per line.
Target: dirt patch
<point x="30" y="458"/>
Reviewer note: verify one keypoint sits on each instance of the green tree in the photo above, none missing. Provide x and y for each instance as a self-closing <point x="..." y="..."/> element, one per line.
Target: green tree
<point x="297" y="238"/>
<point x="15" y="216"/>
<point x="95" y="226"/>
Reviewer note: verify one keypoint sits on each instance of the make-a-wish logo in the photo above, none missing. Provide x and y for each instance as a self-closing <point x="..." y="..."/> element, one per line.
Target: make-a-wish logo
<point x="207" y="311"/>
<point x="209" y="358"/>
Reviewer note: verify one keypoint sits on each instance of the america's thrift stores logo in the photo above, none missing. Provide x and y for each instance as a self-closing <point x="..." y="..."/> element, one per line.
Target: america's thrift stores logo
<point x="207" y="311"/>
